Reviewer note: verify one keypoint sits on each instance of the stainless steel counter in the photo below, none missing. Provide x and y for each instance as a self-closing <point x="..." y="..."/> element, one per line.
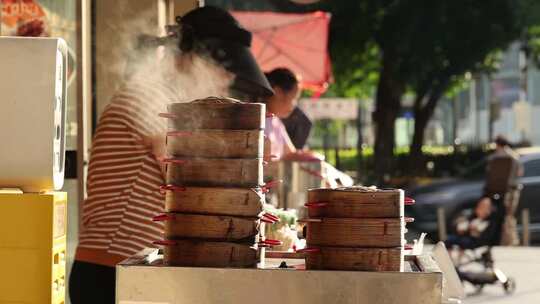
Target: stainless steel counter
<point x="143" y="280"/>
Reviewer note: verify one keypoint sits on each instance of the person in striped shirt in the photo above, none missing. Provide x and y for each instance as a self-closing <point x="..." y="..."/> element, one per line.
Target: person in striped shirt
<point x="124" y="174"/>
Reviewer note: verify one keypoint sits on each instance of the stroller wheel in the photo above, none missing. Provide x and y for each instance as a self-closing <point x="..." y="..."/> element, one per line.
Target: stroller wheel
<point x="509" y="286"/>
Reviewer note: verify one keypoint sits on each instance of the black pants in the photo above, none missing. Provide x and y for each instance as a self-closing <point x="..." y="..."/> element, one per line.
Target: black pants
<point x="92" y="283"/>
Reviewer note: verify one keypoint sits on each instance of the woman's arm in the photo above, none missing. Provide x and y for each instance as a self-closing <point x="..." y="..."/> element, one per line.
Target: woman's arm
<point x="156" y="144"/>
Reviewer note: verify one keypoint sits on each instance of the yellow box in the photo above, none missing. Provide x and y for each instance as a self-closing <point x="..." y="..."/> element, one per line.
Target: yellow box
<point x="32" y="247"/>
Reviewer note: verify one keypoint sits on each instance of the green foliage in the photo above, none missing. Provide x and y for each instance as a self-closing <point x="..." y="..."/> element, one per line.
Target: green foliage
<point x="433" y="42"/>
<point x="423" y="47"/>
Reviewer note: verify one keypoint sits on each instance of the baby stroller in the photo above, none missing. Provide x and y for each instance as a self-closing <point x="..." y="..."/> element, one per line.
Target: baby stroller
<point x="504" y="195"/>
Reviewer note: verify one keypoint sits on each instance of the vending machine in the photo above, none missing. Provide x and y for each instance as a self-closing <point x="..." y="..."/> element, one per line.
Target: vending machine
<point x="32" y="132"/>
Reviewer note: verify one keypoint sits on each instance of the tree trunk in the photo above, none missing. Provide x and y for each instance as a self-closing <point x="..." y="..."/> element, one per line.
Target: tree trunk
<point x="422" y="115"/>
<point x="416" y="157"/>
<point x="388" y="105"/>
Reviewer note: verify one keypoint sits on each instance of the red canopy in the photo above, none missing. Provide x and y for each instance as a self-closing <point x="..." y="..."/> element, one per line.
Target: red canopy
<point x="295" y="41"/>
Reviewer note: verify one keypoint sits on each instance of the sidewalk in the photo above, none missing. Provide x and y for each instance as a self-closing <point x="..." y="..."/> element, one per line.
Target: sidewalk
<point x="521" y="263"/>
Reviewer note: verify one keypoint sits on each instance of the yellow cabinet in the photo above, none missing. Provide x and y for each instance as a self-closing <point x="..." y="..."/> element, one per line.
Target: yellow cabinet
<point x="32" y="247"/>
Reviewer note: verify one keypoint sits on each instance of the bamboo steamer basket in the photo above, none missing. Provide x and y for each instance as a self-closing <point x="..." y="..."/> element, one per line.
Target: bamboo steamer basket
<point x="210" y="227"/>
<point x="216" y="113"/>
<point x="215" y="172"/>
<point x="356" y="202"/>
<point x="353" y="232"/>
<point x="356" y="259"/>
<point x="202" y="253"/>
<point x="216" y="143"/>
<point x="217" y="201"/>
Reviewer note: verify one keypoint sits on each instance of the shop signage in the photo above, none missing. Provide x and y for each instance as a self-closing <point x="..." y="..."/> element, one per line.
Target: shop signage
<point x="330" y="108"/>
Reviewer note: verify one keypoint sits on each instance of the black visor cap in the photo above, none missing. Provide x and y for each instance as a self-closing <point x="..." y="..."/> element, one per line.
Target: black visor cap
<point x="219" y="34"/>
<point x="239" y="60"/>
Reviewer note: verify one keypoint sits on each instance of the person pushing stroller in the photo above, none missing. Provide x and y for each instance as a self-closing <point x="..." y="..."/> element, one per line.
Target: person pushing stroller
<point x="492" y="222"/>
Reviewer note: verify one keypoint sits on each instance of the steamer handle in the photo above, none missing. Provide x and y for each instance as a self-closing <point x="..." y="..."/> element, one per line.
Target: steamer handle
<point x="309" y="250"/>
<point x="316" y="204"/>
<point x="267" y="220"/>
<point x="409" y="219"/>
<point x="269" y="157"/>
<point x="163" y="217"/>
<point x="270" y="185"/>
<point x="173" y="188"/>
<point x="409" y="201"/>
<point x="408" y="247"/>
<point x="173" y="161"/>
<point x="179" y="133"/>
<point x="271" y="242"/>
<point x="271" y="216"/>
<point x="165" y="243"/>
<point x="167" y="115"/>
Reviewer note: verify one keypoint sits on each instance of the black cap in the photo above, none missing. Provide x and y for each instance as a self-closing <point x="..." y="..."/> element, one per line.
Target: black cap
<point x="502" y="141"/>
<point x="228" y="44"/>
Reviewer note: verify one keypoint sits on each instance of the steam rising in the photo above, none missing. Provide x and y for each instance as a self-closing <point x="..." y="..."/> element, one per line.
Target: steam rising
<point x="193" y="76"/>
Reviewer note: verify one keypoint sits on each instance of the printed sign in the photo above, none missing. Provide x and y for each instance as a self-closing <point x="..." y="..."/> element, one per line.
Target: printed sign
<point x="23" y="18"/>
<point x="330" y="108"/>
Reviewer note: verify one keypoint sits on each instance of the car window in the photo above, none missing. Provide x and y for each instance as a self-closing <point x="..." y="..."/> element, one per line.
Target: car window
<point x="532" y="168"/>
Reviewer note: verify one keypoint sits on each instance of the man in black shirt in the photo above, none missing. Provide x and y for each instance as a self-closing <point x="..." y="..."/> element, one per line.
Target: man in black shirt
<point x="298" y="127"/>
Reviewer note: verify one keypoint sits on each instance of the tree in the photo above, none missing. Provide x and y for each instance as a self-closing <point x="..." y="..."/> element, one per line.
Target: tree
<point x="388" y="48"/>
<point x="464" y="37"/>
<point x="425" y="47"/>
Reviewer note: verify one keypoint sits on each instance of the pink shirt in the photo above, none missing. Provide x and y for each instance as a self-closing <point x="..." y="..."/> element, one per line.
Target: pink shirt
<point x="277" y="134"/>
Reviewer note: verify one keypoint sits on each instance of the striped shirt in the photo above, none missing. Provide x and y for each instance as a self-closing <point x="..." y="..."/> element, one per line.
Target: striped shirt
<point x="124" y="176"/>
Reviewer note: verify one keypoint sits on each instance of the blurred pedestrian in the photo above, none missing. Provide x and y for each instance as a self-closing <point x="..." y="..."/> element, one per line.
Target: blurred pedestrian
<point x="283" y="104"/>
<point x="298" y="127"/>
<point x="503" y="168"/>
<point x="502" y="184"/>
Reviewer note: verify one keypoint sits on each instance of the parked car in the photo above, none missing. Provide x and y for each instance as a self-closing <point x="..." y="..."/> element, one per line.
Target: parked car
<point x="456" y="194"/>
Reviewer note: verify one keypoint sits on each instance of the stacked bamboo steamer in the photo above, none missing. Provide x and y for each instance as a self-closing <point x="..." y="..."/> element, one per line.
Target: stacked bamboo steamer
<point x="355" y="228"/>
<point x="214" y="194"/>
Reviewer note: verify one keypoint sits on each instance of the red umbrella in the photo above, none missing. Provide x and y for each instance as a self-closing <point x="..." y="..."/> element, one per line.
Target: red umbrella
<point x="295" y="41"/>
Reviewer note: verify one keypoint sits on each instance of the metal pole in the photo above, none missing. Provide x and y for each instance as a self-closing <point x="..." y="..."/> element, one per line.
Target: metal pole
<point x="525" y="219"/>
<point x="441" y="224"/>
<point x="359" y="143"/>
<point x="84" y="95"/>
<point x="473" y="111"/>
